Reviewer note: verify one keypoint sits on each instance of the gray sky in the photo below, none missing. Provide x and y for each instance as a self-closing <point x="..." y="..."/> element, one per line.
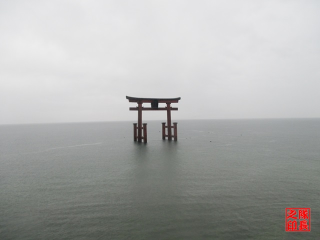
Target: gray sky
<point x="76" y="60"/>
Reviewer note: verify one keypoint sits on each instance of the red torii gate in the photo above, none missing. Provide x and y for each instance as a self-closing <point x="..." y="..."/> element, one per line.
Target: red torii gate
<point x="137" y="130"/>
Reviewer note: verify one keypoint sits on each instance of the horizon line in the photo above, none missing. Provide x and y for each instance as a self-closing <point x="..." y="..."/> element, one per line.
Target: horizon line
<point x="189" y="119"/>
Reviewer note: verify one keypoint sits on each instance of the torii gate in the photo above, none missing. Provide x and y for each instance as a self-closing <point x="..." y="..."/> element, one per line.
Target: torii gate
<point x="137" y="130"/>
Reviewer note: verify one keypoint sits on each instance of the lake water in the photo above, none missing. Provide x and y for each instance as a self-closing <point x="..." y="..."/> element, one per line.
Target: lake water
<point x="222" y="179"/>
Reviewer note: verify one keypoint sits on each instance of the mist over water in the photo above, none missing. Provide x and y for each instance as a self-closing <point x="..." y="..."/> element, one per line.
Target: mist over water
<point x="222" y="179"/>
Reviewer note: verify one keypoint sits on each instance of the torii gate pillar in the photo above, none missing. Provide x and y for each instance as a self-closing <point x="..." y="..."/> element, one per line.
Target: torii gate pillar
<point x="139" y="121"/>
<point x="139" y="131"/>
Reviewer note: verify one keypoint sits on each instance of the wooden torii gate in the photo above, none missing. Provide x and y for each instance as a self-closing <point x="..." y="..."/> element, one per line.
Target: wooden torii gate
<point x="138" y="135"/>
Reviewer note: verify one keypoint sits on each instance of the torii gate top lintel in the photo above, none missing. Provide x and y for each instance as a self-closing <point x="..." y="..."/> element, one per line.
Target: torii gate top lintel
<point x="149" y="100"/>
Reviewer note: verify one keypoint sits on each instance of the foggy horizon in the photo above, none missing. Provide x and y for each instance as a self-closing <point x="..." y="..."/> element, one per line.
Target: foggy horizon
<point x="164" y="119"/>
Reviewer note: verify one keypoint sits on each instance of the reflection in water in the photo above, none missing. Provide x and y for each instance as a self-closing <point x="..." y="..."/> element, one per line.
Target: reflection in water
<point x="155" y="168"/>
<point x="155" y="187"/>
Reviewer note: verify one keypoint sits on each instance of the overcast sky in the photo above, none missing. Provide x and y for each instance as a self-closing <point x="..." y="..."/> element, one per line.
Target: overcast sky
<point x="76" y="60"/>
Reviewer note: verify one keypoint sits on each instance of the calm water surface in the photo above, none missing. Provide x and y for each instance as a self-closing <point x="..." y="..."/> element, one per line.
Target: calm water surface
<point x="223" y="179"/>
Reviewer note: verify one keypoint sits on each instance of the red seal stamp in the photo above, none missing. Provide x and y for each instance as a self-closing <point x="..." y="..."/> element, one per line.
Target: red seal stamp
<point x="298" y="219"/>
